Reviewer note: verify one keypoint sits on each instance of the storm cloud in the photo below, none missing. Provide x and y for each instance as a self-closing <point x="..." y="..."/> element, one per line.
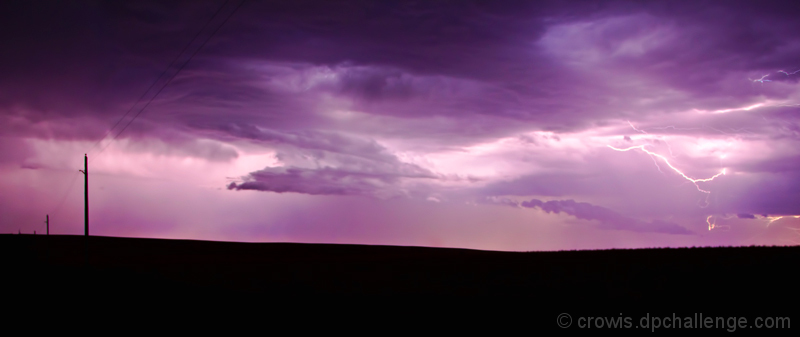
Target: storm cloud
<point x="444" y="103"/>
<point x="608" y="219"/>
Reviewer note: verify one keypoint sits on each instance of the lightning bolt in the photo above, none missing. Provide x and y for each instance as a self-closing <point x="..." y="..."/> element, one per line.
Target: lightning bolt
<point x="776" y="218"/>
<point x="771" y="219"/>
<point x="764" y="104"/>
<point x="713" y="225"/>
<point x="666" y="161"/>
<point x="739" y="130"/>
<point x="711" y="220"/>
<point x="654" y="159"/>
<point x="747" y="108"/>
<point x="762" y="80"/>
<point x="669" y="147"/>
<point x="633" y="127"/>
<point x="674" y="128"/>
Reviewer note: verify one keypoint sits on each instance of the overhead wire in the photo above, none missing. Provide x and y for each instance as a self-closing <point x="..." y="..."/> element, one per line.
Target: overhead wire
<point x="144" y="94"/>
<point x="171" y="78"/>
<point x="75" y="175"/>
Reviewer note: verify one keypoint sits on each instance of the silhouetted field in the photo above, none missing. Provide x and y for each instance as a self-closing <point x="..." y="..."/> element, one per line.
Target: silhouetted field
<point x="652" y="279"/>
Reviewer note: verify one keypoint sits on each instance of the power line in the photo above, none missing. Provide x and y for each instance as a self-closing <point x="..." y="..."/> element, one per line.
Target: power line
<point x="173" y="77"/>
<point x="75" y="175"/>
<point x="160" y="76"/>
<point x="66" y="193"/>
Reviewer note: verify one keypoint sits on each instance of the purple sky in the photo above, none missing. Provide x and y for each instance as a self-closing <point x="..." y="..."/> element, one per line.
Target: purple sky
<point x="503" y="125"/>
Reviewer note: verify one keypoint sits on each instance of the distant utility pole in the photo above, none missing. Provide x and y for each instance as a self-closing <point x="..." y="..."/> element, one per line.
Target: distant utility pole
<point x="48" y="224"/>
<point x="85" y="172"/>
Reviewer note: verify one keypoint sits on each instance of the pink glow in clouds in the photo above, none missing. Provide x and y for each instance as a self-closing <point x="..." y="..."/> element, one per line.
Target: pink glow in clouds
<point x="505" y="126"/>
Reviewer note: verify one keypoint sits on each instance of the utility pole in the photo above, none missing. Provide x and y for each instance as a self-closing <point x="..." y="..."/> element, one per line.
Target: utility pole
<point x="85" y="209"/>
<point x="85" y="172"/>
<point x="48" y="224"/>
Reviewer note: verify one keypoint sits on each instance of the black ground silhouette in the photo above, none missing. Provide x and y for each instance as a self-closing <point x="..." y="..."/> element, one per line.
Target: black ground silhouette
<point x="739" y="281"/>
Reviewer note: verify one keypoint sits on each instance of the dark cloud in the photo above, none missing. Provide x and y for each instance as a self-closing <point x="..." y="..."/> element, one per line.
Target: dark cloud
<point x="330" y="163"/>
<point x="608" y="218"/>
<point x="413" y="60"/>
<point x="86" y="57"/>
<point x="315" y="140"/>
<point x="324" y="181"/>
<point x="31" y="166"/>
<point x="745" y="216"/>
